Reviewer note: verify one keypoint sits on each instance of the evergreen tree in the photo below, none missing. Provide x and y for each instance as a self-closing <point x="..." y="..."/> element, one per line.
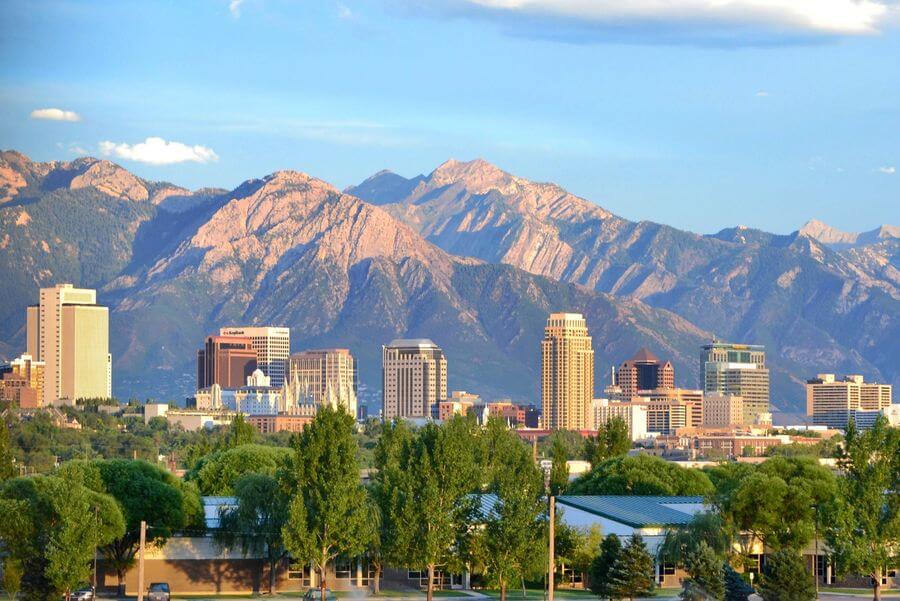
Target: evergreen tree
<point x="598" y="575"/>
<point x="704" y="565"/>
<point x="632" y="573"/>
<point x="786" y="578"/>
<point x="736" y="588"/>
<point x="559" y="470"/>
<point x="328" y="513"/>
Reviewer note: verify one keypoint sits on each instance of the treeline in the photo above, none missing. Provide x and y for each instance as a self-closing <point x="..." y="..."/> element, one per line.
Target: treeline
<point x="447" y="497"/>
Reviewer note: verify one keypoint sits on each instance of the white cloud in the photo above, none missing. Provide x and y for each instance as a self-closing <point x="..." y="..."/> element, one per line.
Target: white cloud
<point x="762" y="94"/>
<point x="344" y="12"/>
<point x="235" y="7"/>
<point x="726" y="22"/>
<point x="55" y="115"/>
<point x="156" y="151"/>
<point x="889" y="170"/>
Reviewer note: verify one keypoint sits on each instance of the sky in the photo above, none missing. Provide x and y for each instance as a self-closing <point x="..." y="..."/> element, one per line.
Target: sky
<point x="701" y="114"/>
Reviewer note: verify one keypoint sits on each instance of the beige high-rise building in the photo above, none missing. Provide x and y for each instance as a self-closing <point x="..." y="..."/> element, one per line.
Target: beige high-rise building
<point x="326" y="376"/>
<point x="69" y="332"/>
<point x="833" y="402"/>
<point x="272" y="346"/>
<point x="567" y="373"/>
<point x="739" y="370"/>
<point x="414" y="378"/>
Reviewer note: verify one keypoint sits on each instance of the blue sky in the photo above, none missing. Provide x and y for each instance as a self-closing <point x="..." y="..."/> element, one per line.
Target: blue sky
<point x="766" y="116"/>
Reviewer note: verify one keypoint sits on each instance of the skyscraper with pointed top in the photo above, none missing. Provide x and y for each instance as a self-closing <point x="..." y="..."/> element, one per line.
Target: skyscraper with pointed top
<point x="644" y="371"/>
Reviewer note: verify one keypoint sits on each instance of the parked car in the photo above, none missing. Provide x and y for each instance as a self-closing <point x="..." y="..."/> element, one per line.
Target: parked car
<point x="83" y="594"/>
<point x="315" y="594"/>
<point x="159" y="591"/>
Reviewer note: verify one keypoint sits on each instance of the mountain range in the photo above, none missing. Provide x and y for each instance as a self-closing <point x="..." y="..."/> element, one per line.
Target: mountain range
<point x="468" y="255"/>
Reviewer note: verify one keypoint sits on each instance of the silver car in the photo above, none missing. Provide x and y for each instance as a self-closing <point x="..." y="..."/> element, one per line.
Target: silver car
<point x="82" y="594"/>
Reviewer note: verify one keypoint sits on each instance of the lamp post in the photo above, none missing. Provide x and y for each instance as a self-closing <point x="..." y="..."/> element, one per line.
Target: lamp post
<point x="815" y="508"/>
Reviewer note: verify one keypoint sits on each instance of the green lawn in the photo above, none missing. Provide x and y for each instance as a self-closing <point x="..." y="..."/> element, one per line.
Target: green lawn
<point x="538" y="594"/>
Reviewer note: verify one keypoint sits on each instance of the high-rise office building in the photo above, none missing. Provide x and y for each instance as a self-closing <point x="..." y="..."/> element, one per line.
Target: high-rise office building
<point x="831" y="402"/>
<point x="414" y="378"/>
<point x="272" y="346"/>
<point x="22" y="382"/>
<point x="644" y="371"/>
<point x="69" y="332"/>
<point x="567" y="373"/>
<point x="722" y="410"/>
<point x="225" y="360"/>
<point x="326" y="376"/>
<point x="633" y="414"/>
<point x="738" y="370"/>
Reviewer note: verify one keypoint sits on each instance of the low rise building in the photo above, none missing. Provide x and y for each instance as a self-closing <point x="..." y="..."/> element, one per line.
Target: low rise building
<point x="635" y="416"/>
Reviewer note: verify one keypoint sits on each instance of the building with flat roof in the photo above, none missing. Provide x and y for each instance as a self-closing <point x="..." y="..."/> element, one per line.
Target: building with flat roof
<point x="832" y="402"/>
<point x="414" y="378"/>
<point x="225" y="361"/>
<point x="722" y="410"/>
<point x="324" y="376"/>
<point x="633" y="414"/>
<point x="272" y="345"/>
<point x="22" y="382"/>
<point x="69" y="332"/>
<point x="739" y="370"/>
<point x="567" y="373"/>
<point x="644" y="371"/>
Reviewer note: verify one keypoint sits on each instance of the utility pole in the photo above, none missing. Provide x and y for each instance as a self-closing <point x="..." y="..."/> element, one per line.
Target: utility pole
<point x="816" y="558"/>
<point x="552" y="541"/>
<point x="140" y="592"/>
<point x="97" y="520"/>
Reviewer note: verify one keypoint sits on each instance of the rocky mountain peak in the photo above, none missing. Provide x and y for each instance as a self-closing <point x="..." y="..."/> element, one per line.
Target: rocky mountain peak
<point x="477" y="175"/>
<point x="107" y="177"/>
<point x="831" y="236"/>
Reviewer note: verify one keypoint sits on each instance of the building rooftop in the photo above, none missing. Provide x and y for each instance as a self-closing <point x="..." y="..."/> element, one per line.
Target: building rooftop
<point x="637" y="511"/>
<point x="644" y="356"/>
<point x="412" y="342"/>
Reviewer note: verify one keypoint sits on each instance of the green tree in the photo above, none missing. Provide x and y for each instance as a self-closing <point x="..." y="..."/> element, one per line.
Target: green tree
<point x="328" y="514"/>
<point x="145" y="493"/>
<point x="641" y="475"/>
<point x="786" y="578"/>
<point x="776" y="502"/>
<point x="239" y="432"/>
<point x="387" y="481"/>
<point x="707" y="580"/>
<point x="736" y="588"/>
<point x="52" y="527"/>
<point x="257" y="521"/>
<point x="610" y="549"/>
<point x="12" y="577"/>
<point x="705" y="528"/>
<point x="513" y="527"/>
<point x="7" y="464"/>
<point x="559" y="469"/>
<point x="433" y="502"/>
<point x="864" y="532"/>
<point x="612" y="440"/>
<point x="632" y="573"/>
<point x="216" y="474"/>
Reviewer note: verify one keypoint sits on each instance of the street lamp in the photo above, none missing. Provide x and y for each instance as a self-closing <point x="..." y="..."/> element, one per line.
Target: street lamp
<point x="815" y="508"/>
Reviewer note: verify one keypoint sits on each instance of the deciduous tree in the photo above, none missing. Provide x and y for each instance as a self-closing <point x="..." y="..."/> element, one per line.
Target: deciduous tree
<point x="864" y="530"/>
<point x="559" y="468"/>
<point x="328" y="513"/>
<point x="611" y="440"/>
<point x="256" y="523"/>
<point x="641" y="475"/>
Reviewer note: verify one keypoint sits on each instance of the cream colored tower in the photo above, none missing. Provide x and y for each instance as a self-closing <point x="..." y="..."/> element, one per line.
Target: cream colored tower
<point x="567" y="373"/>
<point x="324" y="376"/>
<point x="414" y="378"/>
<point x="69" y="332"/>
